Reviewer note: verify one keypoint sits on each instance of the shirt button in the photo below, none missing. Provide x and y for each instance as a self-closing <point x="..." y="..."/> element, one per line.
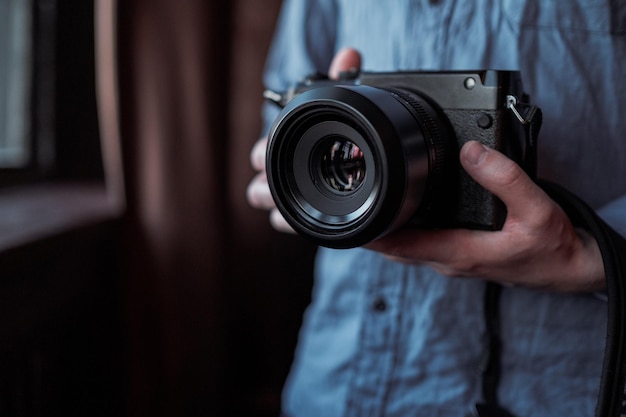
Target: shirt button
<point x="380" y="305"/>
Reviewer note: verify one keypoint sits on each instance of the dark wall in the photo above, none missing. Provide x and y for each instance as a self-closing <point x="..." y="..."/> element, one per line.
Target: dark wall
<point x="61" y="349"/>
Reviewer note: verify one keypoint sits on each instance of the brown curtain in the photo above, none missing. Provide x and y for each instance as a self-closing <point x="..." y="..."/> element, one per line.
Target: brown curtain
<point x="214" y="296"/>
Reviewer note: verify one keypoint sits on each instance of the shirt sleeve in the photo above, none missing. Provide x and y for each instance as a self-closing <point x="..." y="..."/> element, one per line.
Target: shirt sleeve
<point x="614" y="214"/>
<point x="304" y="43"/>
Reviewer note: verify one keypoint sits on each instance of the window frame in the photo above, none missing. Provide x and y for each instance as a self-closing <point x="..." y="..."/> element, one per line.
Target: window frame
<point x="62" y="186"/>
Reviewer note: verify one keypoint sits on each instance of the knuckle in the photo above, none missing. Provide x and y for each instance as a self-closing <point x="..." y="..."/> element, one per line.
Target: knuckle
<point x="257" y="155"/>
<point x="258" y="193"/>
<point x="508" y="173"/>
<point x="466" y="267"/>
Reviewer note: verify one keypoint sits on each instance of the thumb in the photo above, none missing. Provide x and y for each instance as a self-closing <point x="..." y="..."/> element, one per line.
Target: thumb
<point x="501" y="176"/>
<point x="345" y="60"/>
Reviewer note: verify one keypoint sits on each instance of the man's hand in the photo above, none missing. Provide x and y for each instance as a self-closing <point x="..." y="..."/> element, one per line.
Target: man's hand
<point x="258" y="192"/>
<point x="537" y="247"/>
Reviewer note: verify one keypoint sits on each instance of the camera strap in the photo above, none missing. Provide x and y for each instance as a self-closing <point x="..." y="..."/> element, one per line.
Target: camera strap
<point x="531" y="122"/>
<point x="612" y="392"/>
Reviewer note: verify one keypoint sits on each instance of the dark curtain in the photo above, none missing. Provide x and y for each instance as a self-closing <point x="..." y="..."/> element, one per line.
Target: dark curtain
<point x="213" y="296"/>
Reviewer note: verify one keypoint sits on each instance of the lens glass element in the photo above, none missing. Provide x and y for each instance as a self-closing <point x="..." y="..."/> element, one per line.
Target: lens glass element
<point x="342" y="165"/>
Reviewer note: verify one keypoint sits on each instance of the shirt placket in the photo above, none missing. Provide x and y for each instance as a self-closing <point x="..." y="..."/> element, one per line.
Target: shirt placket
<point x="378" y="343"/>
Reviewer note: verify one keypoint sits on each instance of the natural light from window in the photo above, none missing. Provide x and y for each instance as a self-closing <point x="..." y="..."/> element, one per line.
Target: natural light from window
<point x="15" y="82"/>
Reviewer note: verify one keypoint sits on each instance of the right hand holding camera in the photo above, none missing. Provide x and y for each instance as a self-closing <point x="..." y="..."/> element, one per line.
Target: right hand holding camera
<point x="258" y="191"/>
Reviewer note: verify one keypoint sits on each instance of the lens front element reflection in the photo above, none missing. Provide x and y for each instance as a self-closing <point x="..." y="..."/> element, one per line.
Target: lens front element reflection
<point x="343" y="166"/>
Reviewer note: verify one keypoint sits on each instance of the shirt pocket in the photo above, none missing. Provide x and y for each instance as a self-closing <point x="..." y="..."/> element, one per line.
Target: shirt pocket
<point x="602" y="16"/>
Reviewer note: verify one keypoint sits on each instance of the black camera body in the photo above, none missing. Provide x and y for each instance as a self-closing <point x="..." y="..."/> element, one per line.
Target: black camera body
<point x="351" y="160"/>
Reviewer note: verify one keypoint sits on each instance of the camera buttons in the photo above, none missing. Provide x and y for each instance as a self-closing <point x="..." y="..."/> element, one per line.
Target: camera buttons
<point x="484" y="121"/>
<point x="469" y="83"/>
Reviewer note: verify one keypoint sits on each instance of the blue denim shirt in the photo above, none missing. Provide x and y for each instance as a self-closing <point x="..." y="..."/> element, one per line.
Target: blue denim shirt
<point x="385" y="339"/>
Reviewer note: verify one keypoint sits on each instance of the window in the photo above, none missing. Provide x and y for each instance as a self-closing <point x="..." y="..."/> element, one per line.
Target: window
<point x="15" y="82"/>
<point x="48" y="115"/>
<point x="51" y="174"/>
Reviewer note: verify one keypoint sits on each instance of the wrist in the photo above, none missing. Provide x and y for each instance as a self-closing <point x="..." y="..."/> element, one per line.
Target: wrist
<point x="590" y="266"/>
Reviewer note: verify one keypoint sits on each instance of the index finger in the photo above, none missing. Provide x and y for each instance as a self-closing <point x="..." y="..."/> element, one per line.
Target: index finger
<point x="345" y="60"/>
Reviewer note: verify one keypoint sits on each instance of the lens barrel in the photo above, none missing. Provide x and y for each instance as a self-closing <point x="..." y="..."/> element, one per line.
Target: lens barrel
<point x="348" y="164"/>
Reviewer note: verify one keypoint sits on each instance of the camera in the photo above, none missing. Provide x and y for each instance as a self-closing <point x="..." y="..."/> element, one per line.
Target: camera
<point x="353" y="159"/>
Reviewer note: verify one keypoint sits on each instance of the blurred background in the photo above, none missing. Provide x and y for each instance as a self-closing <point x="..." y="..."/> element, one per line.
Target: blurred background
<point x="134" y="278"/>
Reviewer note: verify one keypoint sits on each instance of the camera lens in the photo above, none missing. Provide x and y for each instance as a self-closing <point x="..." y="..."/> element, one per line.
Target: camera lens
<point x="342" y="165"/>
<point x="348" y="164"/>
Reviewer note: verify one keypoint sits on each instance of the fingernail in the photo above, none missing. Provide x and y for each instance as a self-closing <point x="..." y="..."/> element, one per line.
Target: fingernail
<point x="476" y="153"/>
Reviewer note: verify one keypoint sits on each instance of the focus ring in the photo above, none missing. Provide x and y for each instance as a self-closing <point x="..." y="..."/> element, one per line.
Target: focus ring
<point x="431" y="130"/>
